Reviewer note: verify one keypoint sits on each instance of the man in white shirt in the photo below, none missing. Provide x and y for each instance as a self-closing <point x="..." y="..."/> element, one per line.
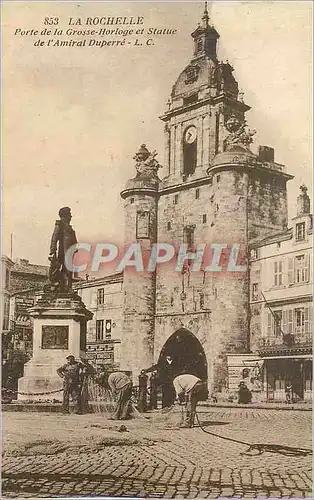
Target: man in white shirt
<point x="192" y="387"/>
<point x="121" y="386"/>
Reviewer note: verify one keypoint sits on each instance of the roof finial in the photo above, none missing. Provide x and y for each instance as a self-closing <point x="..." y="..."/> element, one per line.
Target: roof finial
<point x="205" y="17"/>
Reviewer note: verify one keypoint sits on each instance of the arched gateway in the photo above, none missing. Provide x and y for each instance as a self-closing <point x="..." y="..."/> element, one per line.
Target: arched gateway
<point x="187" y="354"/>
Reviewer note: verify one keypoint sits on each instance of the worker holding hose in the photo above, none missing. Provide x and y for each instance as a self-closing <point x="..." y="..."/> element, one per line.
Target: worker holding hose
<point x="190" y="387"/>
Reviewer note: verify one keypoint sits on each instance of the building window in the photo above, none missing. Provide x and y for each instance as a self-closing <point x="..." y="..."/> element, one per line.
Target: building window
<point x="176" y="199"/>
<point x="278" y="275"/>
<point x="301" y="272"/>
<point x="100" y="296"/>
<point x="132" y="200"/>
<point x="204" y="218"/>
<point x="255" y="291"/>
<point x="218" y="178"/>
<point x="168" y="226"/>
<point x="278" y="323"/>
<point x="298" y="269"/>
<point x="299" y="320"/>
<point x="300" y="231"/>
<point x="108" y="328"/>
<point x="99" y="329"/>
<point x="188" y="237"/>
<point x="197" y="193"/>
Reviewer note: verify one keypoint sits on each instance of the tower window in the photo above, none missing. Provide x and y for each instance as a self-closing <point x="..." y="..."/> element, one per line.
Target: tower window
<point x="218" y="178"/>
<point x="202" y="301"/>
<point x="132" y="200"/>
<point x="199" y="45"/>
<point x="300" y="231"/>
<point x="189" y="152"/>
<point x="197" y="193"/>
<point x="142" y="224"/>
<point x="168" y="226"/>
<point x="188" y="236"/>
<point x="204" y="218"/>
<point x="176" y="199"/>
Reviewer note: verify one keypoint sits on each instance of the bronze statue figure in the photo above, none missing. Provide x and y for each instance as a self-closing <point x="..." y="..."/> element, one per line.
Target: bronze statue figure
<point x="62" y="239"/>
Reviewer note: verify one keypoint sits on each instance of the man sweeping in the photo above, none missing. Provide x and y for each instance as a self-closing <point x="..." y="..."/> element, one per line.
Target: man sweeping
<point x="121" y="386"/>
<point x="192" y="388"/>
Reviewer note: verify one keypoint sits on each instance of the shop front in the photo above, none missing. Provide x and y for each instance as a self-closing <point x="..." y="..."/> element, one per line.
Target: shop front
<point x="287" y="372"/>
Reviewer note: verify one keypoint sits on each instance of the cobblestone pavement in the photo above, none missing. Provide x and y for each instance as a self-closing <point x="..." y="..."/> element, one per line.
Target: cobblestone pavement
<point x="162" y="461"/>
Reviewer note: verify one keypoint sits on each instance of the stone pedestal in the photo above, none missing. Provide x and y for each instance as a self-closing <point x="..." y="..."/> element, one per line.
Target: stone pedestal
<point x="59" y="330"/>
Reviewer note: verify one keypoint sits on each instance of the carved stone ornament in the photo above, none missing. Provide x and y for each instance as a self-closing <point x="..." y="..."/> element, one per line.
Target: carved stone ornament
<point x="240" y="135"/>
<point x="146" y="164"/>
<point x="191" y="74"/>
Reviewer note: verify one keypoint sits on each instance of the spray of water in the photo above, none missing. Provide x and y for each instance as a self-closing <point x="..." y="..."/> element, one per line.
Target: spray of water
<point x="100" y="399"/>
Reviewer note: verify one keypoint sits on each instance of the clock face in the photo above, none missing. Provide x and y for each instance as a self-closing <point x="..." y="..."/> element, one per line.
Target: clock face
<point x="190" y="135"/>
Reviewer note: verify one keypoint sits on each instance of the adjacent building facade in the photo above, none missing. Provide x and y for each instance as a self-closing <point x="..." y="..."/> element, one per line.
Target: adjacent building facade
<point x="104" y="298"/>
<point x="281" y="285"/>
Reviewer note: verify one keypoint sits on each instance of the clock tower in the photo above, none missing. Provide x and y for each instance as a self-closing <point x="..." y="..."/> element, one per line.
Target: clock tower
<point x="215" y="192"/>
<point x="202" y="100"/>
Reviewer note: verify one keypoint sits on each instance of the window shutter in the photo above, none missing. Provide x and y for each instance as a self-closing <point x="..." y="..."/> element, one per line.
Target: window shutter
<point x="290" y="321"/>
<point x="307" y="268"/>
<point x="275" y="273"/>
<point x="306" y="319"/>
<point x="290" y="270"/>
<point x="280" y="276"/>
<point x="284" y="322"/>
<point x="269" y="324"/>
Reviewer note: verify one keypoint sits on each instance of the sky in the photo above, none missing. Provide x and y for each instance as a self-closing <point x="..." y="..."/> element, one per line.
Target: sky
<point x="74" y="117"/>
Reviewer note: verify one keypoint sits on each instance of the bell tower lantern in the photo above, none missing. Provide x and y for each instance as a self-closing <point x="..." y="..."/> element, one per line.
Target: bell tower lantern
<point x="202" y="100"/>
<point x="205" y="38"/>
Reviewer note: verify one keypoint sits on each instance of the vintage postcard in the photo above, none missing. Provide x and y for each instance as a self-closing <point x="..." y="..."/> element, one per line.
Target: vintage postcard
<point x="157" y="249"/>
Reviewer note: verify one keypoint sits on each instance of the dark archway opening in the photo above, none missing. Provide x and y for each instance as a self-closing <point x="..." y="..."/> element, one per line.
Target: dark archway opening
<point x="187" y="354"/>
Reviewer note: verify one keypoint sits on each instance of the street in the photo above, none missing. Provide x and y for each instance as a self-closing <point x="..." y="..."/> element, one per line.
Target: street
<point x="76" y="455"/>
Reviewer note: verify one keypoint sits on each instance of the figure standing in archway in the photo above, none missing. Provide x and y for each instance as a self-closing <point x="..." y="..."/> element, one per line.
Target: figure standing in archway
<point x="166" y="372"/>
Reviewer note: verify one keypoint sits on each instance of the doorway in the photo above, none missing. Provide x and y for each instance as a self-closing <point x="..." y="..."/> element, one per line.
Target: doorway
<point x="187" y="353"/>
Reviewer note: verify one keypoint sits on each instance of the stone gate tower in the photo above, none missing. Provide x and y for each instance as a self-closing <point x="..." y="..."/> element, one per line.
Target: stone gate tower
<point x="216" y="191"/>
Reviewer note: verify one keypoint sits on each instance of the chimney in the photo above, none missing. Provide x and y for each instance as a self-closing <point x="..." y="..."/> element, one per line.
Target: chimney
<point x="266" y="153"/>
<point x="303" y="201"/>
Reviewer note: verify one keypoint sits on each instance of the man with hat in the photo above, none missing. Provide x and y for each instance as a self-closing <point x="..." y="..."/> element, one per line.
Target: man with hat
<point x="71" y="374"/>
